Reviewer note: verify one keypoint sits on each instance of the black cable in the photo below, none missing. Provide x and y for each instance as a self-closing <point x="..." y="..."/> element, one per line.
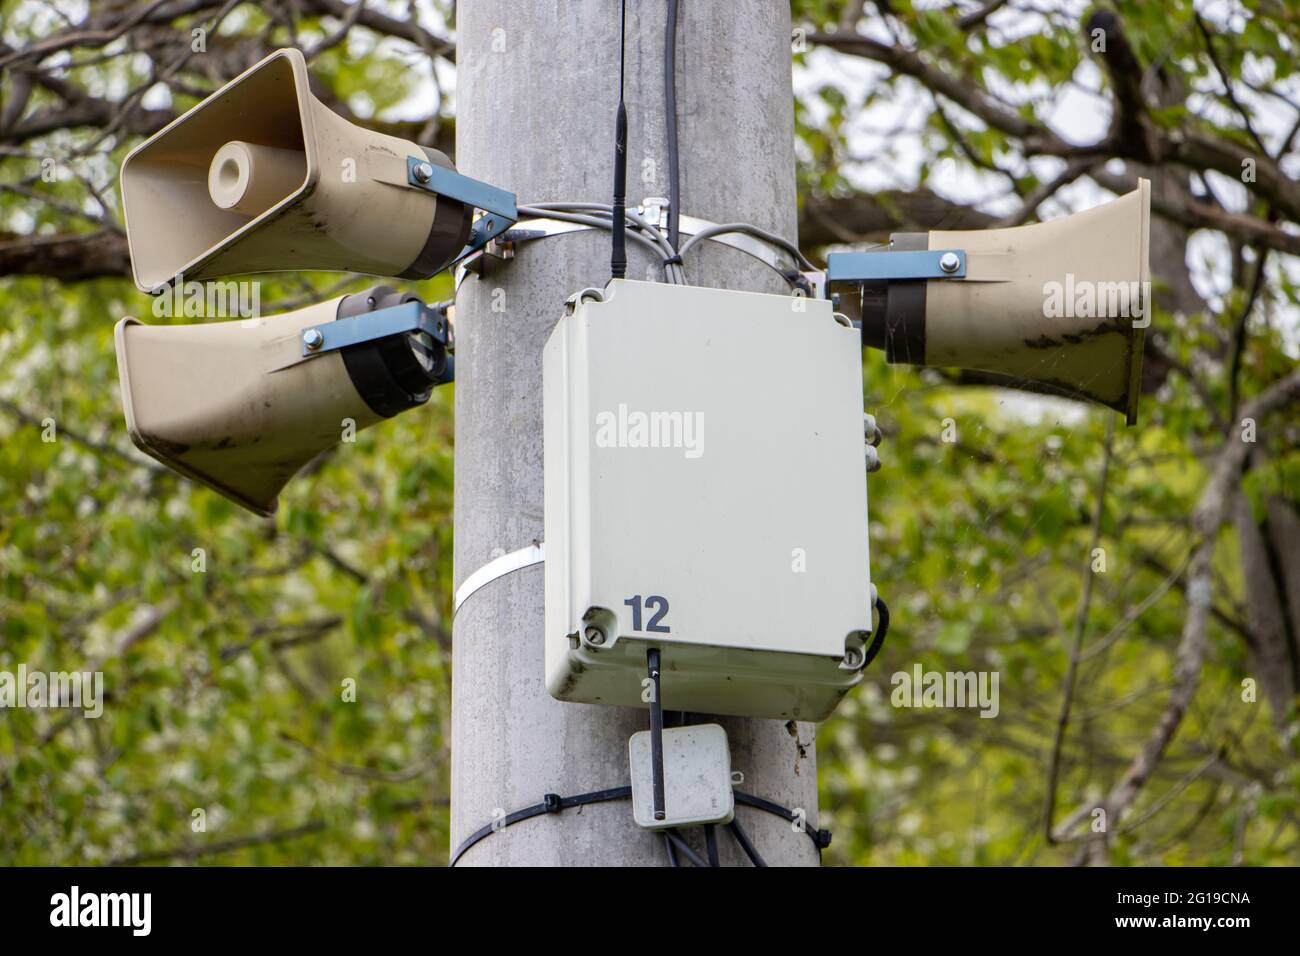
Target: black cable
<point x="711" y="843"/>
<point x="882" y="628"/>
<point x="554" y="803"/>
<point x="743" y="839"/>
<point x="685" y="848"/>
<point x="821" y="838"/>
<point x="551" y="803"/>
<point x="672" y="853"/>
<point x="618" y="255"/>
<point x="670" y="113"/>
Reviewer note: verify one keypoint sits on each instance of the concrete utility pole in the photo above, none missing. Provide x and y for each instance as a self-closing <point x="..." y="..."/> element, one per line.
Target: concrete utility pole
<point x="536" y="93"/>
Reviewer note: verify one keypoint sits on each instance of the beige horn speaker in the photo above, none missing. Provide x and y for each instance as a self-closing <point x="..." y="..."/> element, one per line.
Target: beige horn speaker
<point x="261" y="177"/>
<point x="1057" y="307"/>
<point x="242" y="406"/>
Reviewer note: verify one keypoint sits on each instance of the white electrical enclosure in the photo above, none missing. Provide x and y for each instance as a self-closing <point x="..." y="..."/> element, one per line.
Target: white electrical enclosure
<point x="705" y="495"/>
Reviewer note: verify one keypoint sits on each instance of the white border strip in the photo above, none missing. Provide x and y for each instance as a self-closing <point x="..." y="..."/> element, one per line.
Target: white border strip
<point x="499" y="567"/>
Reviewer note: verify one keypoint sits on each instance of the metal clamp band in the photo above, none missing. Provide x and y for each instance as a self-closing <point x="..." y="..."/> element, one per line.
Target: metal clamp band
<point x="528" y="230"/>
<point x="498" y="568"/>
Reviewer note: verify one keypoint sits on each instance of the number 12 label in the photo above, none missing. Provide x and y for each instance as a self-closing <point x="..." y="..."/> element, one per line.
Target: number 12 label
<point x="655" y="603"/>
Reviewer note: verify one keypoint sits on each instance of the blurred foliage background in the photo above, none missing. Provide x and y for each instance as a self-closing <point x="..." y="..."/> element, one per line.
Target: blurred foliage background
<point x="225" y="687"/>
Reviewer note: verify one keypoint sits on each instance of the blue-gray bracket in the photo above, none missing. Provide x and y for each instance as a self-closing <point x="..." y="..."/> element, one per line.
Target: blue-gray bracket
<point x="369" y="326"/>
<point x="499" y="206"/>
<point x="885" y="266"/>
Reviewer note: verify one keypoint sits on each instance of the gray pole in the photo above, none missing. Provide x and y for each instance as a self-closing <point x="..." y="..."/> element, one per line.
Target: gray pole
<point x="536" y="94"/>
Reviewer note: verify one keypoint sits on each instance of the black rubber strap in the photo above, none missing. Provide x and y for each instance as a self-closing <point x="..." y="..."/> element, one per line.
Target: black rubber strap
<point x="448" y="230"/>
<point x="905" y="307"/>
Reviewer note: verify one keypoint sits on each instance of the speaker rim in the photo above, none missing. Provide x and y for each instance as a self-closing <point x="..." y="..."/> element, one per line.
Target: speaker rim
<point x="158" y="454"/>
<point x="302" y="94"/>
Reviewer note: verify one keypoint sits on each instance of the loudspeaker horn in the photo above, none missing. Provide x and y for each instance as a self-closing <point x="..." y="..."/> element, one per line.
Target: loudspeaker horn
<point x="243" y="405"/>
<point x="1058" y="307"/>
<point x="262" y="177"/>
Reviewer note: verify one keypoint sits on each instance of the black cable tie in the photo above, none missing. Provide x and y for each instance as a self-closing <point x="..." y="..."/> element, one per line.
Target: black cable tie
<point x="822" y="838"/>
<point x="553" y="803"/>
<point x="674" y="260"/>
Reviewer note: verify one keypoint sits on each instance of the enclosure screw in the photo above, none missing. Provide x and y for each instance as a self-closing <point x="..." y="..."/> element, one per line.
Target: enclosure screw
<point x="595" y="636"/>
<point x="852" y="658"/>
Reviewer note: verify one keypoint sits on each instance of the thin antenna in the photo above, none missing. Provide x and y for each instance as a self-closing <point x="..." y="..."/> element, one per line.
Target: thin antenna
<point x="656" y="734"/>
<point x="618" y="256"/>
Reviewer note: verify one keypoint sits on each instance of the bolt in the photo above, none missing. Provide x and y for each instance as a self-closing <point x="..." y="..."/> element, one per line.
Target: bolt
<point x="595" y="636"/>
<point x="852" y="658"/>
<point x="423" y="172"/>
<point x="949" y="262"/>
<point x="313" y="339"/>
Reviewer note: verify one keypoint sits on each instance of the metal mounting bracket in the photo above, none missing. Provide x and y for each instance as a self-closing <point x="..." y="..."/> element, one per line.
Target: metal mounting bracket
<point x="499" y="207"/>
<point x="344" y="333"/>
<point x="886" y="266"/>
